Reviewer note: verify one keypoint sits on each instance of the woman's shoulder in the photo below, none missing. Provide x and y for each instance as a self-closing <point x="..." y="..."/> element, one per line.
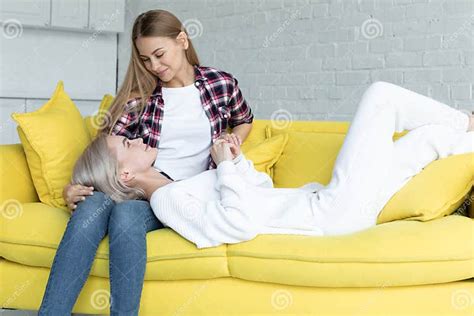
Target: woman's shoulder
<point x="214" y="73"/>
<point x="133" y="100"/>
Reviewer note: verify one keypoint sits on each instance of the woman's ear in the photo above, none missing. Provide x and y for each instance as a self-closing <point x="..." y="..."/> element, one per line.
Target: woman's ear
<point x="182" y="38"/>
<point x="126" y="177"/>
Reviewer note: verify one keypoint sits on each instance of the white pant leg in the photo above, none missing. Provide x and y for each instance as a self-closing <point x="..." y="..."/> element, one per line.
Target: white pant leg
<point x="363" y="164"/>
<point x="416" y="150"/>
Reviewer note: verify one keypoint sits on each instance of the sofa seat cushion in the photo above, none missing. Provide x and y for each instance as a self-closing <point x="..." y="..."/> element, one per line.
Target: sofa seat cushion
<point x="399" y="253"/>
<point x="33" y="235"/>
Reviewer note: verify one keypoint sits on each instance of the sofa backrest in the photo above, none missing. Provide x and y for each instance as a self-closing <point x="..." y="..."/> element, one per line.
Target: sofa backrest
<point x="314" y="143"/>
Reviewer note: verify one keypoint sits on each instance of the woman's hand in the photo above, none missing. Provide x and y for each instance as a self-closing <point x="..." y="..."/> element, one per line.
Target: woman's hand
<point x="220" y="151"/>
<point x="231" y="138"/>
<point x="74" y="193"/>
<point x="234" y="143"/>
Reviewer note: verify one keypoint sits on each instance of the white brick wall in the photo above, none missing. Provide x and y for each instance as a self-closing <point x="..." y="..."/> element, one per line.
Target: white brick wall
<point x="315" y="58"/>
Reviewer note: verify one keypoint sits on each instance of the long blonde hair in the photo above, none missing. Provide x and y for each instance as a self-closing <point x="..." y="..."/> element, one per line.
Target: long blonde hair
<point x="98" y="167"/>
<point x="138" y="80"/>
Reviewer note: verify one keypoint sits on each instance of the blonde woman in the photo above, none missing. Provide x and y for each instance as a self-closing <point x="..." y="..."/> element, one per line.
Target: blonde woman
<point x="172" y="103"/>
<point x="234" y="202"/>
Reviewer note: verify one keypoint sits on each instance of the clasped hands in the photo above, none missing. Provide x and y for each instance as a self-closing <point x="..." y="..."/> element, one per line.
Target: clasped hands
<point x="226" y="147"/>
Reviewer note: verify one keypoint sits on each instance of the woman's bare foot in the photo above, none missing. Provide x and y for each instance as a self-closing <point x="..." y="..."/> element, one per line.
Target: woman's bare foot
<point x="471" y="122"/>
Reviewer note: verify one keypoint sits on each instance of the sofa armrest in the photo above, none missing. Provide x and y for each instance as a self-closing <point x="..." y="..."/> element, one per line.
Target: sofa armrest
<point x="15" y="177"/>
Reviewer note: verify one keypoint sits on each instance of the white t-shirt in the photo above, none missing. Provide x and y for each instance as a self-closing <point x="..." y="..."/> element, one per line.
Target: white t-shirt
<point x="185" y="139"/>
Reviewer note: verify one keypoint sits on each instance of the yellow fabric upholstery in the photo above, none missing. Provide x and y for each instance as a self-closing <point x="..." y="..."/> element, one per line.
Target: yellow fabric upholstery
<point x="33" y="237"/>
<point x="265" y="154"/>
<point x="53" y="137"/>
<point x="14" y="174"/>
<point x="371" y="271"/>
<point x="413" y="253"/>
<point x="435" y="192"/>
<point x="24" y="286"/>
<point x="307" y="157"/>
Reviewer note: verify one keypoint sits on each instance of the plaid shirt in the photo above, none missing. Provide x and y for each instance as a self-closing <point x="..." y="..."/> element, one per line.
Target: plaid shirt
<point x="221" y="99"/>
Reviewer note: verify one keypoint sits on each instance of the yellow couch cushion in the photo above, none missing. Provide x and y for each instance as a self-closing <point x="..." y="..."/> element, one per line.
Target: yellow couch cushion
<point x="33" y="237"/>
<point x="398" y="253"/>
<point x="307" y="157"/>
<point x="438" y="190"/>
<point x="53" y="137"/>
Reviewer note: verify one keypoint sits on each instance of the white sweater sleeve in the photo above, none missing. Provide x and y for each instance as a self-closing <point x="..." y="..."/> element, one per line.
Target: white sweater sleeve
<point x="208" y="224"/>
<point x="250" y="175"/>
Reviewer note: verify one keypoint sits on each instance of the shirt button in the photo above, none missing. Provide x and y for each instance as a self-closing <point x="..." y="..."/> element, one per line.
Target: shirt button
<point x="197" y="83"/>
<point x="215" y="132"/>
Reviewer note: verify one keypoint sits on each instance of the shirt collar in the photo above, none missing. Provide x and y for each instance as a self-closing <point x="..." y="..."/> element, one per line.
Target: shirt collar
<point x="198" y="76"/>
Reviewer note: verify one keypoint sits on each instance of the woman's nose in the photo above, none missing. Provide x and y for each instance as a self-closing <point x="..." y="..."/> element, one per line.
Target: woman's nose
<point x="154" y="65"/>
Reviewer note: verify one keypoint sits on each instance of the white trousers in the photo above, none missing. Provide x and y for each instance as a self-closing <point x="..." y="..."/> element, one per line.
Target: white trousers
<point x="370" y="168"/>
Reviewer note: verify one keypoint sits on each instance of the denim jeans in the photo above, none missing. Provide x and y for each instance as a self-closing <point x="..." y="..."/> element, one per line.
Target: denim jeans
<point x="127" y="224"/>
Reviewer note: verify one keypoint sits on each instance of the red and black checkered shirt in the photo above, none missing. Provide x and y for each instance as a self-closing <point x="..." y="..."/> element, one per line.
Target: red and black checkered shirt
<point x="221" y="99"/>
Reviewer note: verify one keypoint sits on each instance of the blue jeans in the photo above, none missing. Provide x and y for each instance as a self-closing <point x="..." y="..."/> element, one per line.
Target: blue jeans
<point x="127" y="224"/>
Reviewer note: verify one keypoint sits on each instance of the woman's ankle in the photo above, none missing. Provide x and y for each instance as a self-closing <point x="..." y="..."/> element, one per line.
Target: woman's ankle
<point x="471" y="123"/>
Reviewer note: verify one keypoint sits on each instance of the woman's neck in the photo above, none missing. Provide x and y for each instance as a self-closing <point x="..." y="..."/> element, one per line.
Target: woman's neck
<point x="184" y="77"/>
<point x="150" y="181"/>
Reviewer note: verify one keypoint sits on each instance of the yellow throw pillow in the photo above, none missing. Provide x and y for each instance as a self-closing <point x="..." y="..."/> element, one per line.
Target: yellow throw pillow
<point x="53" y="137"/>
<point x="265" y="154"/>
<point x="94" y="122"/>
<point x="438" y="190"/>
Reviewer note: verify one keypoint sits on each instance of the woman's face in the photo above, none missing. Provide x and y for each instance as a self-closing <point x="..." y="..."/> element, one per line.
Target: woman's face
<point x="132" y="155"/>
<point x="163" y="56"/>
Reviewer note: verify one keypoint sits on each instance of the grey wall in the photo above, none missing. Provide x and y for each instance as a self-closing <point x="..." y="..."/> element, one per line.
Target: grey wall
<point x="307" y="59"/>
<point x="314" y="58"/>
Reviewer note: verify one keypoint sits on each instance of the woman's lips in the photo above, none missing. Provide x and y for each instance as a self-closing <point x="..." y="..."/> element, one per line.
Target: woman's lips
<point x="161" y="73"/>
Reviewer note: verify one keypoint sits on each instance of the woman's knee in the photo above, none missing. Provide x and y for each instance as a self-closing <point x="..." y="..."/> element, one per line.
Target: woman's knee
<point x="89" y="221"/>
<point x="130" y="215"/>
<point x="379" y="95"/>
<point x="95" y="207"/>
<point x="381" y="86"/>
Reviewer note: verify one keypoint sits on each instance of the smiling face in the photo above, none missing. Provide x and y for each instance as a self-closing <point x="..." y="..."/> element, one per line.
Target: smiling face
<point x="163" y="56"/>
<point x="132" y="155"/>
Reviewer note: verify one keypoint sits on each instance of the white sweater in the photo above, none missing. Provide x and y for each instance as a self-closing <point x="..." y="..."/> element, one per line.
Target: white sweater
<point x="234" y="203"/>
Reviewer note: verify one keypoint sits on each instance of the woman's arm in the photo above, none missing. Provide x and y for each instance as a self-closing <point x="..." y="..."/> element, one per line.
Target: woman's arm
<point x="242" y="131"/>
<point x="241" y="116"/>
<point x="211" y="223"/>
<point x="247" y="171"/>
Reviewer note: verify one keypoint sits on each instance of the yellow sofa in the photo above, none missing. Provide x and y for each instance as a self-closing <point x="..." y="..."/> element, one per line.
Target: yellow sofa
<point x="395" y="268"/>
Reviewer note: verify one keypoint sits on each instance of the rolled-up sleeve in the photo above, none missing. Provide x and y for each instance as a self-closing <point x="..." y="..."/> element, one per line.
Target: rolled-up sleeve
<point x="240" y="111"/>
